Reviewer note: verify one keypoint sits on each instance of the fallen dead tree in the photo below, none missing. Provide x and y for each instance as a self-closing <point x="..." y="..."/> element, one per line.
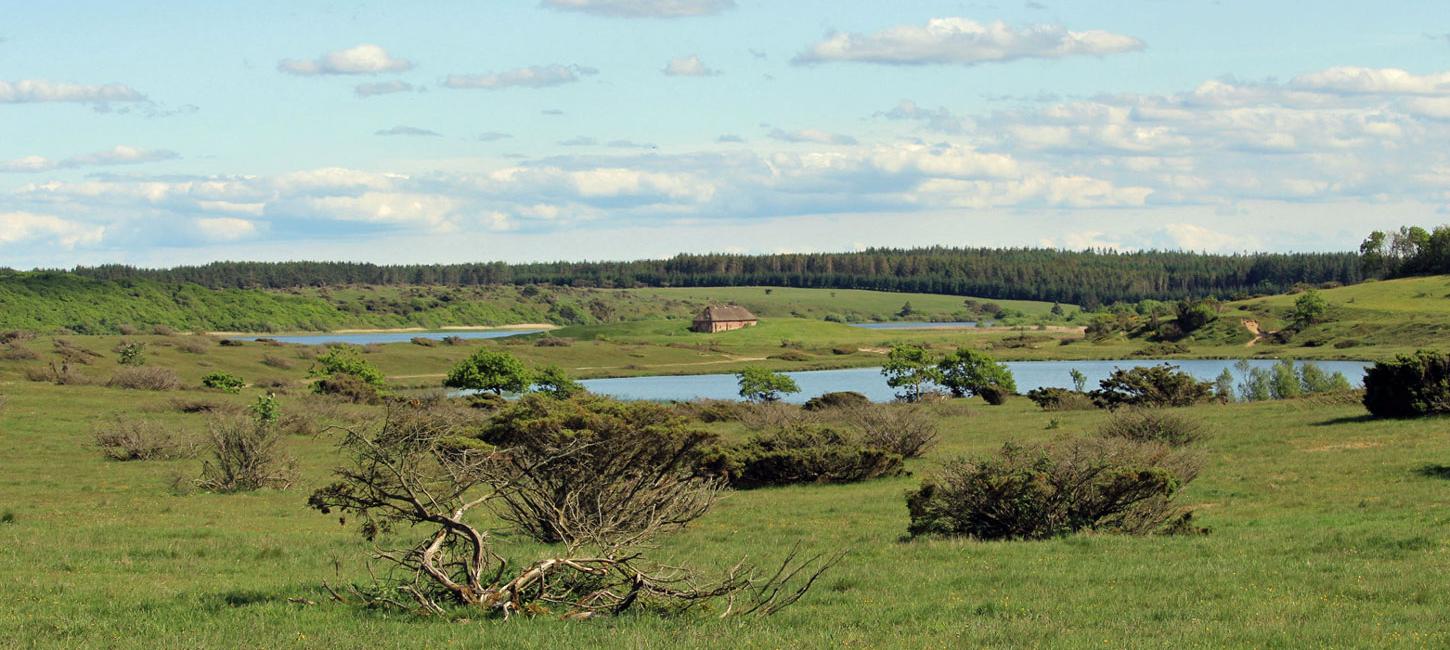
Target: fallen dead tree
<point x="420" y="471"/>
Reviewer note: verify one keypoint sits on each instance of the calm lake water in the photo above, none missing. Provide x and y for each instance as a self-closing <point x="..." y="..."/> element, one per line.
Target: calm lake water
<point x="1029" y="375"/>
<point x="909" y="325"/>
<point x="366" y="338"/>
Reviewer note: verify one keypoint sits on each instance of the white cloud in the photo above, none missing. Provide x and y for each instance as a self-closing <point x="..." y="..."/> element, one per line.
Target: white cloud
<point x="689" y="66"/>
<point x="361" y="59"/>
<point x="34" y="91"/>
<point x="967" y="42"/>
<point x="1378" y="81"/>
<point x="119" y="155"/>
<point x="537" y="76"/>
<point x="493" y="136"/>
<point x="383" y="88"/>
<point x="813" y="136"/>
<point x="412" y="131"/>
<point x="225" y="228"/>
<point x="643" y="8"/>
<point x="31" y="228"/>
<point x="940" y="120"/>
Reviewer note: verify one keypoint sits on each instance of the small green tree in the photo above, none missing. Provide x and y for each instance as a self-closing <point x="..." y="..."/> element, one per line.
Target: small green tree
<point x="488" y="370"/>
<point x="132" y="354"/>
<point x="1079" y="380"/>
<point x="1057" y="310"/>
<point x="1284" y="382"/>
<point x="761" y="385"/>
<point x="910" y="368"/>
<point x="967" y="372"/>
<point x="1309" y="309"/>
<point x="906" y="310"/>
<point x="346" y="362"/>
<point x="1223" y="386"/>
<point x="552" y="381"/>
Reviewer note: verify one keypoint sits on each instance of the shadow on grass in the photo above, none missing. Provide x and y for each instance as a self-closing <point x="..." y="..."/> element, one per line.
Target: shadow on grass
<point x="1348" y="419"/>
<point x="1435" y="470"/>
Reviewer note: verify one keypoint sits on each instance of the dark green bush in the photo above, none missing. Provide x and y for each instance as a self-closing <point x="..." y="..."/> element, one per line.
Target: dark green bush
<point x="1152" y="425"/>
<point x="1411" y="385"/>
<point x="348" y="387"/>
<point x="835" y="400"/>
<point x="1043" y="491"/>
<point x="802" y="454"/>
<point x="1151" y="386"/>
<point x="1050" y="398"/>
<point x="423" y="341"/>
<point x="994" y="395"/>
<point x="792" y="355"/>
<point x="223" y="381"/>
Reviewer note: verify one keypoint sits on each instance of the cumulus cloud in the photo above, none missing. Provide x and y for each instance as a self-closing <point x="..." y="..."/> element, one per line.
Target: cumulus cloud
<point x="966" y="42"/>
<point x="642" y="8"/>
<point x="119" y="155"/>
<point x="814" y="136"/>
<point x="411" y="131"/>
<point x="537" y="76"/>
<point x="383" y="88"/>
<point x="224" y="228"/>
<point x="361" y="59"/>
<point x="689" y="66"/>
<point x="31" y="228"/>
<point x="1377" y="81"/>
<point x="36" y="91"/>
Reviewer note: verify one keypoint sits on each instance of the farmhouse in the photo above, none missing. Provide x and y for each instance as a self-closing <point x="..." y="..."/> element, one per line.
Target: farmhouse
<point x="717" y="318"/>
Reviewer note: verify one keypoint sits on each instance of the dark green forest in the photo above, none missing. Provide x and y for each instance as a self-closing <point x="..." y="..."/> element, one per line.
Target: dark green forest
<point x="1089" y="278"/>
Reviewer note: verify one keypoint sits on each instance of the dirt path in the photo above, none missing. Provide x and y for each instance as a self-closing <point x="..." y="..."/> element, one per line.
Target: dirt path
<point x="1253" y="327"/>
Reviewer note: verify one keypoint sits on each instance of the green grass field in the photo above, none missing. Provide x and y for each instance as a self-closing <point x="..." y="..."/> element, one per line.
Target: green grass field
<point x="1327" y="530"/>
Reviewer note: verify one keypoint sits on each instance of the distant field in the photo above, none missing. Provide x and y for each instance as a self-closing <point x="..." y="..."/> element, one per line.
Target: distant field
<point x="853" y="304"/>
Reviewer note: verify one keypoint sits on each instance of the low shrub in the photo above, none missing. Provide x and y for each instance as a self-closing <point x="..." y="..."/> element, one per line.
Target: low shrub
<point x="765" y="416"/>
<point x="145" y="378"/>
<point x="71" y="353"/>
<point x="246" y="454"/>
<point x="903" y="429"/>
<point x="131" y="353"/>
<point x="276" y="362"/>
<point x="1410" y="385"/>
<point x="486" y="401"/>
<point x="190" y="405"/>
<point x="423" y="341"/>
<point x="843" y="350"/>
<point x="1050" y="398"/>
<point x="994" y="395"/>
<point x="230" y="343"/>
<point x="803" y="454"/>
<point x="194" y="345"/>
<point x="553" y="342"/>
<point x="453" y="340"/>
<point x="348" y="387"/>
<point x="710" y="410"/>
<point x="17" y="352"/>
<point x="62" y="375"/>
<point x="1160" y="350"/>
<point x="791" y="355"/>
<point x="1152" y="425"/>
<point x="162" y="330"/>
<point x="1044" y="491"/>
<point x="127" y="330"/>
<point x="223" y="381"/>
<point x="10" y="337"/>
<point x="1346" y="343"/>
<point x="134" y="439"/>
<point x="1151" y="386"/>
<point x="836" y="400"/>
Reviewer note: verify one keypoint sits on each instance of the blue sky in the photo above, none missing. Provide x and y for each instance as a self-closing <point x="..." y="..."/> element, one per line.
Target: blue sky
<point x="158" y="133"/>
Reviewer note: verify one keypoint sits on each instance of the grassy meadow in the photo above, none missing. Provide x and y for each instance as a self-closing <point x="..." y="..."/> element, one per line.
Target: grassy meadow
<point x="1327" y="531"/>
<point x="1327" y="527"/>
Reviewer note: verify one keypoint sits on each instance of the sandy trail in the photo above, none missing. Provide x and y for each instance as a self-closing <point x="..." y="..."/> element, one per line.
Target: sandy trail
<point x="1253" y="327"/>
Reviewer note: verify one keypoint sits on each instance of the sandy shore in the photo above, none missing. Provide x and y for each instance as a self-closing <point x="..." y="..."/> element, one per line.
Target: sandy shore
<point x="400" y="330"/>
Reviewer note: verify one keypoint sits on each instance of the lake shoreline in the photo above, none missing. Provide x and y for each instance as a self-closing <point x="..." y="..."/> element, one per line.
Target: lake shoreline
<point x="395" y="330"/>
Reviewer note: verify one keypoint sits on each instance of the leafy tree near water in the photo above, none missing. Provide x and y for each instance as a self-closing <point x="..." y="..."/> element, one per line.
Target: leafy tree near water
<point x="346" y="361"/>
<point x="910" y="367"/>
<point x="968" y="372"/>
<point x="488" y="370"/>
<point x="761" y="385"/>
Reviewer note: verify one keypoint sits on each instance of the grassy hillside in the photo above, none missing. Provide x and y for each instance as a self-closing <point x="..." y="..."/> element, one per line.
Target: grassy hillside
<point x="48" y="302"/>
<point x="1326" y="532"/>
<point x="1388" y="315"/>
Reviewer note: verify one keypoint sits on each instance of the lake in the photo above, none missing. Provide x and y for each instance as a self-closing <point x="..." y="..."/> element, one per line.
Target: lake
<point x="910" y="325"/>
<point x="1029" y="375"/>
<point x="368" y="338"/>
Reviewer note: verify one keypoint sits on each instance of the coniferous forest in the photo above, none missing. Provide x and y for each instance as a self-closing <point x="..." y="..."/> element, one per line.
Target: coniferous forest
<point x="1088" y="278"/>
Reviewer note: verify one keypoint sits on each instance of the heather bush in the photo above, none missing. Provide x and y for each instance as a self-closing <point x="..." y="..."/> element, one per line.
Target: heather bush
<point x="145" y="378"/>
<point x="223" y="381"/>
<point x="836" y="400"/>
<point x="1150" y="386"/>
<point x="801" y="454"/>
<point x="1050" y="398"/>
<point x="1044" y="491"/>
<point x="1152" y="425"/>
<point x="246" y="454"/>
<point x="1410" y="385"/>
<point x="903" y="429"/>
<point x="135" y="439"/>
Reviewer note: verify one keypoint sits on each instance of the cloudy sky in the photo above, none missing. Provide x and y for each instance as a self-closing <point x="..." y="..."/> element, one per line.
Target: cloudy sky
<point x="158" y="133"/>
